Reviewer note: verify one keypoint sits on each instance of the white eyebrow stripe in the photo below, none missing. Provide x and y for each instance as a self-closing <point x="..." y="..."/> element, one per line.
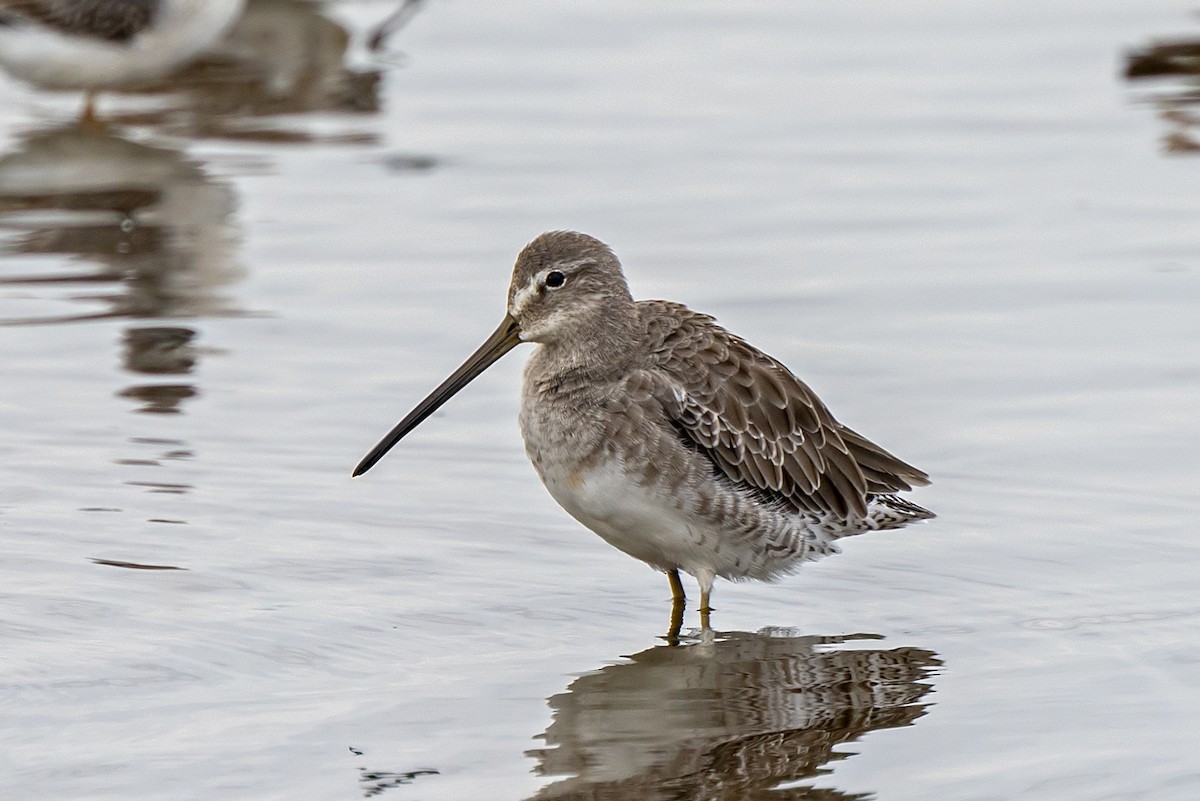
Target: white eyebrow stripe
<point x="567" y="265"/>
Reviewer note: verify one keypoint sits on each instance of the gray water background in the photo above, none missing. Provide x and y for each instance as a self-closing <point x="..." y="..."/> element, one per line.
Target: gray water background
<point x="955" y="220"/>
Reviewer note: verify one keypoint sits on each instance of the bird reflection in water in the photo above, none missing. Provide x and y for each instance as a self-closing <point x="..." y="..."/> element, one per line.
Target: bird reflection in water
<point x="281" y="57"/>
<point x="157" y="228"/>
<point x="1175" y="61"/>
<point x="120" y="230"/>
<point x="732" y="716"/>
<point x="160" y="350"/>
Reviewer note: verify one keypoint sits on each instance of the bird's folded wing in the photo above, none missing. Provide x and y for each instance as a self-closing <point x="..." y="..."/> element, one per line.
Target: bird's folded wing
<point x="759" y="424"/>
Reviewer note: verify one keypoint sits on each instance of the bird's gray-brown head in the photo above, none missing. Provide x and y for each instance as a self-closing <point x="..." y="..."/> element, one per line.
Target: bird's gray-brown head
<point x="566" y="287"/>
<point x="567" y="293"/>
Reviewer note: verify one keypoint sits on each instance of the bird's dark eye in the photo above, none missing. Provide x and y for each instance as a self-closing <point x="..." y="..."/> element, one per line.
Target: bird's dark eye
<point x="555" y="279"/>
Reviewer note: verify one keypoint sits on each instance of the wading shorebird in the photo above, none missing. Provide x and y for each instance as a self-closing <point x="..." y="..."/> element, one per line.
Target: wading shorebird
<point x="676" y="441"/>
<point x="104" y="44"/>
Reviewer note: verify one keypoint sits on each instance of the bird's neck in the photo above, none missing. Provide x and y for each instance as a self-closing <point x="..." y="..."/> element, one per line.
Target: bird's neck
<point x="586" y="365"/>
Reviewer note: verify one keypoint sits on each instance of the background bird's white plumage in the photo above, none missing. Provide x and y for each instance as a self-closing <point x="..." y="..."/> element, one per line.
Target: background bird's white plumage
<point x="54" y="49"/>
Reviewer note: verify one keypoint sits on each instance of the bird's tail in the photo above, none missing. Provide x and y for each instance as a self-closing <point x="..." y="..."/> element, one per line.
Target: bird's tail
<point x="892" y="511"/>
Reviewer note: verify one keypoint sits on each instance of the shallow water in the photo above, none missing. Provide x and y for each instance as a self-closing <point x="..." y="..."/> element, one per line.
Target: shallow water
<point x="956" y="222"/>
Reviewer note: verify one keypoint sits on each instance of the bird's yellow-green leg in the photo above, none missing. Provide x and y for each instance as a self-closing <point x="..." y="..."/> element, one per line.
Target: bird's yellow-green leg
<point x="678" y="602"/>
<point x="672" y="637"/>
<point x="677" y="595"/>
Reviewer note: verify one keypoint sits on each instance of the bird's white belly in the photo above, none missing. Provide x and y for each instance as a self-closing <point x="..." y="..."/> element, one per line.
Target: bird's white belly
<point x="632" y="517"/>
<point x="56" y="61"/>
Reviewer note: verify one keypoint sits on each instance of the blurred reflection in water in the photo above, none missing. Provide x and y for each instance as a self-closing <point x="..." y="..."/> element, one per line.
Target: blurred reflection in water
<point x="726" y="718"/>
<point x="157" y="228"/>
<point x="280" y="57"/>
<point x="160" y="349"/>
<point x="1179" y="105"/>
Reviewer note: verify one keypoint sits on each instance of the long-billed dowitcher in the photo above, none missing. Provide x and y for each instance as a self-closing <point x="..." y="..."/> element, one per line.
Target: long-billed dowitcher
<point x="676" y="441"/>
<point x="101" y="44"/>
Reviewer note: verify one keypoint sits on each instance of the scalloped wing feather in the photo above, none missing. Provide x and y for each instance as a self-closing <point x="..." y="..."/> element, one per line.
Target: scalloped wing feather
<point x="758" y="423"/>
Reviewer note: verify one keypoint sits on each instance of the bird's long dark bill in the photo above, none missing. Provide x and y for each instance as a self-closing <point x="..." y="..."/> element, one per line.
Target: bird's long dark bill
<point x="504" y="339"/>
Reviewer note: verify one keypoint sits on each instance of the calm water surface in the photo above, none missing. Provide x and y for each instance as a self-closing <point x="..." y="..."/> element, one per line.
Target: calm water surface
<point x="955" y="220"/>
